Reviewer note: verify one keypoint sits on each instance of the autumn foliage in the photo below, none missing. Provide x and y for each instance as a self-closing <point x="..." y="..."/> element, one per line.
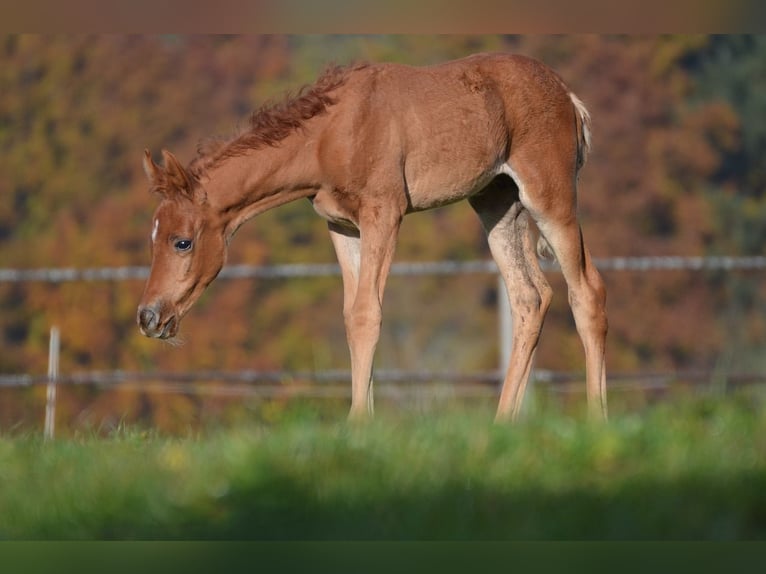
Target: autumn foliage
<point x="676" y="169"/>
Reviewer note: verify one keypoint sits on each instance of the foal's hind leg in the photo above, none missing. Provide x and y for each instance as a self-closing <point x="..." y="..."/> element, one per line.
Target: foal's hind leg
<point x="507" y="225"/>
<point x="549" y="193"/>
<point x="587" y="298"/>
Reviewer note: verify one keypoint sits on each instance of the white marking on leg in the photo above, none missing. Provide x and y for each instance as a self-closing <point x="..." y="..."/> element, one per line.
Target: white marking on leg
<point x="155" y="229"/>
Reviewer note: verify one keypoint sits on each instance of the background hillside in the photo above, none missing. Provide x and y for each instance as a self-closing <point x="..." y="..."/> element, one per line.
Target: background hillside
<point x="677" y="169"/>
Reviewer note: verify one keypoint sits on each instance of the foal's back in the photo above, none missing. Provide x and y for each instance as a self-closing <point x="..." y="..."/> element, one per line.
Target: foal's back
<point x="446" y="129"/>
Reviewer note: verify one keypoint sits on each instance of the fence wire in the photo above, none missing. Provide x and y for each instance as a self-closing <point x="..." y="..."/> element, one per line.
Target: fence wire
<point x="298" y="270"/>
<point x="326" y="383"/>
<point x="389" y="381"/>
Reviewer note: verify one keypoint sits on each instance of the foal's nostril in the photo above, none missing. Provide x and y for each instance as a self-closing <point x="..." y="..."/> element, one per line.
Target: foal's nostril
<point x="147" y="318"/>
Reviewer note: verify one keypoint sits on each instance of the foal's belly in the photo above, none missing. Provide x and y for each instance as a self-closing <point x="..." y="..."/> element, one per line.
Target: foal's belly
<point x="424" y="189"/>
<point x="437" y="188"/>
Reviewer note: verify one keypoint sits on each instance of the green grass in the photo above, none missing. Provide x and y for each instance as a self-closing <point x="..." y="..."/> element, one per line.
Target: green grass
<point x="687" y="469"/>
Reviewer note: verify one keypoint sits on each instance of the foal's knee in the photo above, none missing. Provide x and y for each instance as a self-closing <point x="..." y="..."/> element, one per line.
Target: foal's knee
<point x="598" y="288"/>
<point x="545" y="291"/>
<point x="529" y="309"/>
<point x="363" y="320"/>
<point x="589" y="306"/>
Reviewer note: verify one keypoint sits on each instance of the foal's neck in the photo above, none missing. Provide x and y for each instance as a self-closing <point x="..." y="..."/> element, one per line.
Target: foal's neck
<point x="264" y="178"/>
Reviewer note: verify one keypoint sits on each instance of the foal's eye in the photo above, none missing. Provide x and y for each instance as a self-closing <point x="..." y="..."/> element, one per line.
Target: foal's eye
<point x="183" y="245"/>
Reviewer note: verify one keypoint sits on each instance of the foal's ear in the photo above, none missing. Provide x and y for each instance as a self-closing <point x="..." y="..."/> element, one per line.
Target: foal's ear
<point x="176" y="174"/>
<point x="152" y="170"/>
<point x="170" y="181"/>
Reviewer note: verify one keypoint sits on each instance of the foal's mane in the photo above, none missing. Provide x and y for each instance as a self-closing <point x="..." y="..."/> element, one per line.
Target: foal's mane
<point x="274" y="121"/>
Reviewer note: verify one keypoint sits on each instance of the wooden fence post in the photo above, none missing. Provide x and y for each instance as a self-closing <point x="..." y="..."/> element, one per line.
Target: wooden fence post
<point x="53" y="374"/>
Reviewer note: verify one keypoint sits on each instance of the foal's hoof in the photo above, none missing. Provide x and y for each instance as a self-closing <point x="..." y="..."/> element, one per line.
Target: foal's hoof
<point x="359" y="417"/>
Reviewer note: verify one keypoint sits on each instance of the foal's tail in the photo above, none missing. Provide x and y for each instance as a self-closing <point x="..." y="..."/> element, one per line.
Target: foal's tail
<point x="582" y="122"/>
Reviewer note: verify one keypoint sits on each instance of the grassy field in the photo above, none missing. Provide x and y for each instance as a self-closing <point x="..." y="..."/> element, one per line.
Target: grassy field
<point x="686" y="469"/>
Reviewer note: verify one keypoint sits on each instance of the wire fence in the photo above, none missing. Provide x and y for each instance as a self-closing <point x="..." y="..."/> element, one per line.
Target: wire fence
<point x="333" y="383"/>
<point x="297" y="270"/>
<point x="557" y="381"/>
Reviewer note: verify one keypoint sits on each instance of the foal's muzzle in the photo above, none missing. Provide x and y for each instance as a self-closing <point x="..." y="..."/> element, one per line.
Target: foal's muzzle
<point x="151" y="324"/>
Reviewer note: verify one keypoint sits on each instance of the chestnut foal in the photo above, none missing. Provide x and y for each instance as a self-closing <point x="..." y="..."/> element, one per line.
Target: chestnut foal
<point x="371" y="143"/>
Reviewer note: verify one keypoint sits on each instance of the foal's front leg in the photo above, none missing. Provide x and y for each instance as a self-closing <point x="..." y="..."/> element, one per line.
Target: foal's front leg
<point x="365" y="261"/>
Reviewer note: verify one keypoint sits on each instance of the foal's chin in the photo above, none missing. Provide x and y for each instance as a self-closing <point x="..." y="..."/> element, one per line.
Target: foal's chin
<point x="174" y="341"/>
<point x="168" y="333"/>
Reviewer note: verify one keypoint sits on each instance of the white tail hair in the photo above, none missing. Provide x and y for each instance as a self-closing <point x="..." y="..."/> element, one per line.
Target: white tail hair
<point x="583" y="129"/>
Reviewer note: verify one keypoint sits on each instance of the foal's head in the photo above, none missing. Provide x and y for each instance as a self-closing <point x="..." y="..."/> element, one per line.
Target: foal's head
<point x="188" y="248"/>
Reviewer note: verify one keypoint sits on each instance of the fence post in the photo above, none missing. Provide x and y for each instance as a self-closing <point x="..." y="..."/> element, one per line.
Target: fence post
<point x="53" y="373"/>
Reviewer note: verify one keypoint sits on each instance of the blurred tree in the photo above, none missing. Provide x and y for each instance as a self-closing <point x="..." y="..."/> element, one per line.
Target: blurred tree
<point x="731" y="71"/>
<point x="676" y="169"/>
